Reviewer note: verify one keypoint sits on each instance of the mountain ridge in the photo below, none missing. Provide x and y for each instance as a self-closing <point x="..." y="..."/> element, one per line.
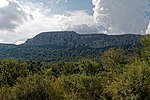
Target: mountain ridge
<point x="67" y="46"/>
<point x="73" y="39"/>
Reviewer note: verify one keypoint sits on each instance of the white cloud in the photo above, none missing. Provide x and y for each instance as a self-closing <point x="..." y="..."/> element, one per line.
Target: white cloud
<point x="148" y="29"/>
<point x="3" y="3"/>
<point x="1" y="41"/>
<point x="11" y="16"/>
<point x="122" y="16"/>
<point x="20" y="42"/>
<point x="58" y="1"/>
<point x="84" y="29"/>
<point x="57" y="22"/>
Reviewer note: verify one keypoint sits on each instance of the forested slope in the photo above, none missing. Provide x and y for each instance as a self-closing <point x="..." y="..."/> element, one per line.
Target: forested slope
<point x="67" y="46"/>
<point x="115" y="76"/>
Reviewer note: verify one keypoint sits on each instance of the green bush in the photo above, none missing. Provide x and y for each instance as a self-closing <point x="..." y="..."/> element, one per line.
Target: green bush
<point x="10" y="70"/>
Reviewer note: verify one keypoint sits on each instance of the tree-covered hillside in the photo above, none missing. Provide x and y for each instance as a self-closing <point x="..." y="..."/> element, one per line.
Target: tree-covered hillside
<point x="67" y="46"/>
<point x="117" y="75"/>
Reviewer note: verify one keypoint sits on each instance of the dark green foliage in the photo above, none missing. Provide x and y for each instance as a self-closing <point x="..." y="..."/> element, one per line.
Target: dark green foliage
<point x="47" y="54"/>
<point x="146" y="50"/>
<point x="10" y="70"/>
<point x="35" y="87"/>
<point x="34" y="67"/>
<point x="67" y="46"/>
<point x="115" y="76"/>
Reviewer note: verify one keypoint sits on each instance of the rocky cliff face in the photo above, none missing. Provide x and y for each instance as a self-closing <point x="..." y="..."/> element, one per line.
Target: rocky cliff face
<point x="72" y="39"/>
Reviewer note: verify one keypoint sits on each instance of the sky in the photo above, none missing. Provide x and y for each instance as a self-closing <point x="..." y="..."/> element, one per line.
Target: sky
<point x="23" y="19"/>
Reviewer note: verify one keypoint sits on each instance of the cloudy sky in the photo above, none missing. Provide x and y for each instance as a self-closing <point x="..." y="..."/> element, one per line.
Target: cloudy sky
<point x="22" y="19"/>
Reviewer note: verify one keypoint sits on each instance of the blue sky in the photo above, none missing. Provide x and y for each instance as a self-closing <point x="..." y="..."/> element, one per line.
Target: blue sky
<point x="78" y="5"/>
<point x="23" y="19"/>
<point x="66" y="5"/>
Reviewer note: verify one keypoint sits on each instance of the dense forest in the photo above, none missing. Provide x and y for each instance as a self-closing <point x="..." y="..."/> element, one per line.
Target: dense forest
<point x="116" y="75"/>
<point x="67" y="46"/>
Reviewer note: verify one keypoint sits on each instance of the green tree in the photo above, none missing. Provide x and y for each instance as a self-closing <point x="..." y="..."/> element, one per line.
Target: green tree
<point x="133" y="83"/>
<point x="113" y="59"/>
<point x="10" y="70"/>
<point x="145" y="40"/>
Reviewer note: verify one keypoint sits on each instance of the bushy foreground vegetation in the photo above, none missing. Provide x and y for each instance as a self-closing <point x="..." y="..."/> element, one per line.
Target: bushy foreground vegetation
<point x="115" y="76"/>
